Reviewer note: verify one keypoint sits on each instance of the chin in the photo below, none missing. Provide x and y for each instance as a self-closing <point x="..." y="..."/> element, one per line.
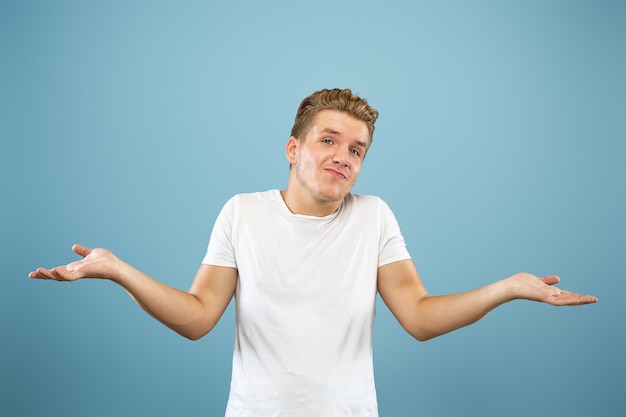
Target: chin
<point x="332" y="197"/>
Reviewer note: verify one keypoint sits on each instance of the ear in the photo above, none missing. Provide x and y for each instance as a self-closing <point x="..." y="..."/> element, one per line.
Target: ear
<point x="291" y="149"/>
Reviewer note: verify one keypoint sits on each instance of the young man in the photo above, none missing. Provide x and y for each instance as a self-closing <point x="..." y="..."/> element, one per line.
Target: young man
<point x="305" y="265"/>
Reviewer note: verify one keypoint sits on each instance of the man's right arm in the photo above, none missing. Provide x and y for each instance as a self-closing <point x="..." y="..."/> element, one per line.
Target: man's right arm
<point x="191" y="314"/>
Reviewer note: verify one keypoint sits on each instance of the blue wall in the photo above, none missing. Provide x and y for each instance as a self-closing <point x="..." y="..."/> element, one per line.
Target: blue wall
<point x="500" y="147"/>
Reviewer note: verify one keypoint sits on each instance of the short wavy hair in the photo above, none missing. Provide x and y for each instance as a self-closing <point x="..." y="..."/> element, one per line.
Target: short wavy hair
<point x="334" y="99"/>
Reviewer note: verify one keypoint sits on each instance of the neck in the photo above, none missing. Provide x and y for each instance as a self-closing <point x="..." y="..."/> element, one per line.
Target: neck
<point x="309" y="206"/>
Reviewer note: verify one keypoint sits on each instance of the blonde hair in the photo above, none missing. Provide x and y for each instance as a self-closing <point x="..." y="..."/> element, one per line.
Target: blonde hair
<point x="335" y="99"/>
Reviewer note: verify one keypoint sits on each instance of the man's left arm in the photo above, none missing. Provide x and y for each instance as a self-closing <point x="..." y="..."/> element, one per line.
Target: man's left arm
<point x="425" y="316"/>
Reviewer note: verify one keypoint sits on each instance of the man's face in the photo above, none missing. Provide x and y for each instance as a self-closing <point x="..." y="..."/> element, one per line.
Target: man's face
<point x="328" y="161"/>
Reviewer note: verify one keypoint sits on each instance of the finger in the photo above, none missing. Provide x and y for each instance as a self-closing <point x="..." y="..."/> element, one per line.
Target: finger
<point x="48" y="273"/>
<point x="43" y="273"/>
<point x="579" y="299"/>
<point x="81" y="250"/>
<point x="62" y="274"/>
<point x="571" y="299"/>
<point x="551" y="279"/>
<point x="40" y="273"/>
<point x="588" y="299"/>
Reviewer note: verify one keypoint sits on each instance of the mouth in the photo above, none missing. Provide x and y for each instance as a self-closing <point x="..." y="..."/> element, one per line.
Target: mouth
<point x="335" y="173"/>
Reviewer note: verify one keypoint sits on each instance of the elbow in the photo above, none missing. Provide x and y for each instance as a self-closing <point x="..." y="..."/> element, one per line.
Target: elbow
<point x="418" y="333"/>
<point x="193" y="336"/>
<point x="421" y="337"/>
<point x="192" y="333"/>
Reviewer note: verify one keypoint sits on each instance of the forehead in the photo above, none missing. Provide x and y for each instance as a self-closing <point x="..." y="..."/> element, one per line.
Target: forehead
<point x="339" y="123"/>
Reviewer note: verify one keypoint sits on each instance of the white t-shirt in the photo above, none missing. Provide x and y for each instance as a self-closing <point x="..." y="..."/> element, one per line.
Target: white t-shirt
<point x="305" y="303"/>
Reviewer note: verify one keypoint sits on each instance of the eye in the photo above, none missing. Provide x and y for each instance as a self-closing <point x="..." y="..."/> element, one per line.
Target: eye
<point x="327" y="140"/>
<point x="355" y="152"/>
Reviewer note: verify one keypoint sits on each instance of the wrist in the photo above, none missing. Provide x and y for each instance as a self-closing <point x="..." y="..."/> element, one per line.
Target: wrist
<point x="119" y="271"/>
<point x="509" y="291"/>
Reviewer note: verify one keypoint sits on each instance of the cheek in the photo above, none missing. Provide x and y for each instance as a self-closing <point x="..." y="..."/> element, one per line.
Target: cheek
<point x="311" y="158"/>
<point x="303" y="158"/>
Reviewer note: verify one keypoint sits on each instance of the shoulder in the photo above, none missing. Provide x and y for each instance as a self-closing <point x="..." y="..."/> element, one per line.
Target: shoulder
<point x="366" y="205"/>
<point x="365" y="200"/>
<point x="253" y="202"/>
<point x="261" y="197"/>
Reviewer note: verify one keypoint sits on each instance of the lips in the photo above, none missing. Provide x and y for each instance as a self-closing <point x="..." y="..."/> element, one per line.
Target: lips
<point x="335" y="173"/>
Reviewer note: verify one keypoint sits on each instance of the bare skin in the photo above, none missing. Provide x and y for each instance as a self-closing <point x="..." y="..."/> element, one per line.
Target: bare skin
<point x="192" y="314"/>
<point x="425" y="316"/>
<point x="325" y="166"/>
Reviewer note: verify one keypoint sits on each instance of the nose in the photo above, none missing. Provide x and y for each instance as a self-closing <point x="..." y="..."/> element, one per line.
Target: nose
<point x="342" y="156"/>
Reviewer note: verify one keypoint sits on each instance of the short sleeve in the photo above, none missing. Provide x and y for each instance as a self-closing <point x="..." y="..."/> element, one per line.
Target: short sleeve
<point x="392" y="247"/>
<point x="220" y="251"/>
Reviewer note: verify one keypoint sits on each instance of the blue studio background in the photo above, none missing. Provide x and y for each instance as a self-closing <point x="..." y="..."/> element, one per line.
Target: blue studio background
<point x="500" y="147"/>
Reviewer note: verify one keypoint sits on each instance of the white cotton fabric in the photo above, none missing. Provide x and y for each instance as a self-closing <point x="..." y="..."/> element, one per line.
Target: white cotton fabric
<point x="305" y="303"/>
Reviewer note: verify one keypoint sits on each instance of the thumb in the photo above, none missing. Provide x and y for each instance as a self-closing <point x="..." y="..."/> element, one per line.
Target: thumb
<point x="81" y="250"/>
<point x="551" y="279"/>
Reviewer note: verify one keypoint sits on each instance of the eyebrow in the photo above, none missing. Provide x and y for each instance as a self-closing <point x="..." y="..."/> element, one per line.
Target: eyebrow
<point x="335" y="132"/>
<point x="331" y="131"/>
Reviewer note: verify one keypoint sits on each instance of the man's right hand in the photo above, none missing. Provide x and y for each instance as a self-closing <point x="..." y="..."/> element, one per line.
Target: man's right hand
<point x="96" y="263"/>
<point x="192" y="314"/>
